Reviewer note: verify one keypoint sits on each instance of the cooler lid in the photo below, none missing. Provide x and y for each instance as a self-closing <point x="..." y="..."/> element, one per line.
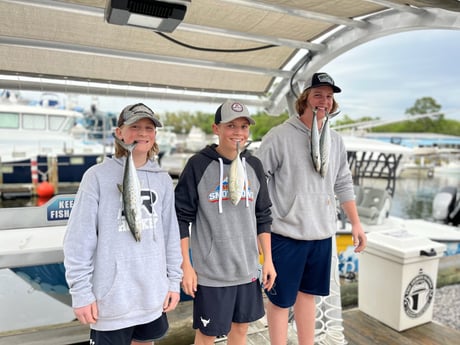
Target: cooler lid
<point x="404" y="245"/>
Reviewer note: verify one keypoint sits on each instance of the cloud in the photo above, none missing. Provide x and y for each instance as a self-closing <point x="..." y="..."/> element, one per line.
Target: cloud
<point x="384" y="77"/>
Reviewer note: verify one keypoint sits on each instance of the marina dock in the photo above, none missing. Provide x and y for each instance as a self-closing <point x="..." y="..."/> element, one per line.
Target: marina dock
<point x="360" y="329"/>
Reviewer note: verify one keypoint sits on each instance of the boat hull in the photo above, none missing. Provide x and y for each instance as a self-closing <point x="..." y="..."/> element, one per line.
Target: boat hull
<point x="63" y="171"/>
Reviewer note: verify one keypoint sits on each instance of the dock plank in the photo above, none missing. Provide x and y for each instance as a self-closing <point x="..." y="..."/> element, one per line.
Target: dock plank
<point x="362" y="329"/>
<point x="359" y="329"/>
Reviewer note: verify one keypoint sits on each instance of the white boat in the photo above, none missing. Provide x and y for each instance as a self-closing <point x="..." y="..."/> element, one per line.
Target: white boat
<point x="430" y="161"/>
<point x="37" y="133"/>
<point x="31" y="244"/>
<point x="448" y="162"/>
<point x="167" y="140"/>
<point x="196" y="140"/>
<point x="374" y="203"/>
<point x="452" y="167"/>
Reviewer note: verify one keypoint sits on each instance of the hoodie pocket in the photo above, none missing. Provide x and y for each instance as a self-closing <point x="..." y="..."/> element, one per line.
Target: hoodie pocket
<point x="318" y="206"/>
<point x="232" y="259"/>
<point x="138" y="284"/>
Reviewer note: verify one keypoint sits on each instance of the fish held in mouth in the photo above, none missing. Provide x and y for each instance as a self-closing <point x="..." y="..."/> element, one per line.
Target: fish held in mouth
<point x="131" y="192"/>
<point x="236" y="178"/>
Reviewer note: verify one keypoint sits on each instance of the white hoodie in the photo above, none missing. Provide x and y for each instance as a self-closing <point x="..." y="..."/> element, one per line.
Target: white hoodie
<point x="129" y="280"/>
<point x="304" y="205"/>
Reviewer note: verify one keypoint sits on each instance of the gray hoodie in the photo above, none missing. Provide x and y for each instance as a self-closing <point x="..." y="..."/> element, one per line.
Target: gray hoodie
<point x="304" y="205"/>
<point x="129" y="280"/>
<point x="223" y="236"/>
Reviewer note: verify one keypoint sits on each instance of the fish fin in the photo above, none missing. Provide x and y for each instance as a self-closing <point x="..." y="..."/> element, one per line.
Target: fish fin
<point x="120" y="187"/>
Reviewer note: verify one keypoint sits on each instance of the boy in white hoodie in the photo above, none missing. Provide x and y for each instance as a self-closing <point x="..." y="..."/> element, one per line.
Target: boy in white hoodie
<point x="121" y="285"/>
<point x="304" y="209"/>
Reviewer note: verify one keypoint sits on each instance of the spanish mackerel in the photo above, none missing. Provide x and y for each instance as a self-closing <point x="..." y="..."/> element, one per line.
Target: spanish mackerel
<point x="131" y="192"/>
<point x="236" y="178"/>
<point x="325" y="147"/>
<point x="315" y="142"/>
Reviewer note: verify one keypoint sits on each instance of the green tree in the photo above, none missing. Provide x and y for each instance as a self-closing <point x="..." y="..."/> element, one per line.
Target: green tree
<point x="424" y="105"/>
<point x="183" y="121"/>
<point x="265" y="122"/>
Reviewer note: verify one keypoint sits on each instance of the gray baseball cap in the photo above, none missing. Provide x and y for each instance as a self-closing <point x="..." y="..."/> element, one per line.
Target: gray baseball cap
<point x="230" y="110"/>
<point x="135" y="112"/>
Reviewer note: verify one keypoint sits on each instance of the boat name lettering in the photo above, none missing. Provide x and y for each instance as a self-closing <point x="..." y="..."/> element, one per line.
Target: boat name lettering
<point x="60" y="209"/>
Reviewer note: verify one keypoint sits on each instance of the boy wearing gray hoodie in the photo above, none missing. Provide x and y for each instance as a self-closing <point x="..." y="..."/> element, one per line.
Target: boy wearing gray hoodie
<point x="304" y="207"/>
<point x="222" y="271"/>
<point x="124" y="276"/>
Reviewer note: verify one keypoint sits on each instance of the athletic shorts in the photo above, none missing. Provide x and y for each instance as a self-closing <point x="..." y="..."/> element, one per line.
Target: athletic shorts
<point x="215" y="308"/>
<point x="303" y="266"/>
<point x="143" y="333"/>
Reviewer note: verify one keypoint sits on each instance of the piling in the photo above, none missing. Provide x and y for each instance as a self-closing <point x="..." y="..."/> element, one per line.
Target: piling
<point x="53" y="177"/>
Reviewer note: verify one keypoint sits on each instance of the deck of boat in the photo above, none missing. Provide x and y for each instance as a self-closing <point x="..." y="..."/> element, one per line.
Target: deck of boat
<point x="360" y="329"/>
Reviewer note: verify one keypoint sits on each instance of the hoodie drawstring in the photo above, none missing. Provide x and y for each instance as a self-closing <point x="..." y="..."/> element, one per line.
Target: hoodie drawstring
<point x="221" y="182"/>
<point x="246" y="188"/>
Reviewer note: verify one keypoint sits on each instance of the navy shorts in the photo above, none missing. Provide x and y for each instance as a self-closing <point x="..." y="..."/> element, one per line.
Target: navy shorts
<point x="303" y="266"/>
<point x="143" y="333"/>
<point x="215" y="308"/>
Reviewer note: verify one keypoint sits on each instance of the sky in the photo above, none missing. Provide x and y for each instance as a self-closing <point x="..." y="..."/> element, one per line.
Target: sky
<point x="381" y="78"/>
<point x="384" y="77"/>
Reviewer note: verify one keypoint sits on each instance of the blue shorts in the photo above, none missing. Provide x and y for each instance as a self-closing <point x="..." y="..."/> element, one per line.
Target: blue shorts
<point x="142" y="333"/>
<point x="215" y="308"/>
<point x="303" y="266"/>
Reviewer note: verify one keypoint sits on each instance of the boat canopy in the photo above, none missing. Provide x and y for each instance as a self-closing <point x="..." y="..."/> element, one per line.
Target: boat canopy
<point x="259" y="51"/>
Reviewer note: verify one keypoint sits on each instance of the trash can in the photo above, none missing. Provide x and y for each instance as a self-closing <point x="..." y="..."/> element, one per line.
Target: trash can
<point x="397" y="278"/>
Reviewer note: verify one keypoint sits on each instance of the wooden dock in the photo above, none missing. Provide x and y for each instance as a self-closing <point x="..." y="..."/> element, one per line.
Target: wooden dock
<point x="360" y="329"/>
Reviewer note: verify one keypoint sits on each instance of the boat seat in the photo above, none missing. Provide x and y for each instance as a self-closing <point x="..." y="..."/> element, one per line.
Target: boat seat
<point x="444" y="204"/>
<point x="373" y="206"/>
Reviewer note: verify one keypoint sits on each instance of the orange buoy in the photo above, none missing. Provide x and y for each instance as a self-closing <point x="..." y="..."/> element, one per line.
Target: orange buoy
<point x="42" y="200"/>
<point x="45" y="189"/>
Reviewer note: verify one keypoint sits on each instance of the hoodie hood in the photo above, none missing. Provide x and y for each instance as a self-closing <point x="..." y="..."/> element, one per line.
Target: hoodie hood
<point x="210" y="151"/>
<point x="150" y="166"/>
<point x="298" y="124"/>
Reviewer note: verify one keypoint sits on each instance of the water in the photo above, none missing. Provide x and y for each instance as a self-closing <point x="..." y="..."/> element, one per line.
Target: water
<point x="21" y="306"/>
<point x="413" y="197"/>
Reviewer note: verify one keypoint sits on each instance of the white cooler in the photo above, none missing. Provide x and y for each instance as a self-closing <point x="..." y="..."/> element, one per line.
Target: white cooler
<point x="397" y="278"/>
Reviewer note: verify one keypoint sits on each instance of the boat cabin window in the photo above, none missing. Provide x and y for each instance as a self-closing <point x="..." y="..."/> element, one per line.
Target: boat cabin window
<point x="56" y="123"/>
<point x="9" y="120"/>
<point x="34" y="121"/>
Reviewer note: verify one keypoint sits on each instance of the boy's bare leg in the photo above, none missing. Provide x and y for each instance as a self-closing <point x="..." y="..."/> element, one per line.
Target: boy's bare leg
<point x="238" y="334"/>
<point x="277" y="324"/>
<point x="201" y="339"/>
<point x="305" y="315"/>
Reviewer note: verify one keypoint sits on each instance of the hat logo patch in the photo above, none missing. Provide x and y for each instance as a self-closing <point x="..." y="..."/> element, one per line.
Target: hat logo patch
<point x="237" y="107"/>
<point x="324" y="78"/>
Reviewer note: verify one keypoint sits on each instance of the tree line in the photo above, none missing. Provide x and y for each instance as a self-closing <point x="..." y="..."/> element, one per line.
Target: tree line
<point x="182" y="122"/>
